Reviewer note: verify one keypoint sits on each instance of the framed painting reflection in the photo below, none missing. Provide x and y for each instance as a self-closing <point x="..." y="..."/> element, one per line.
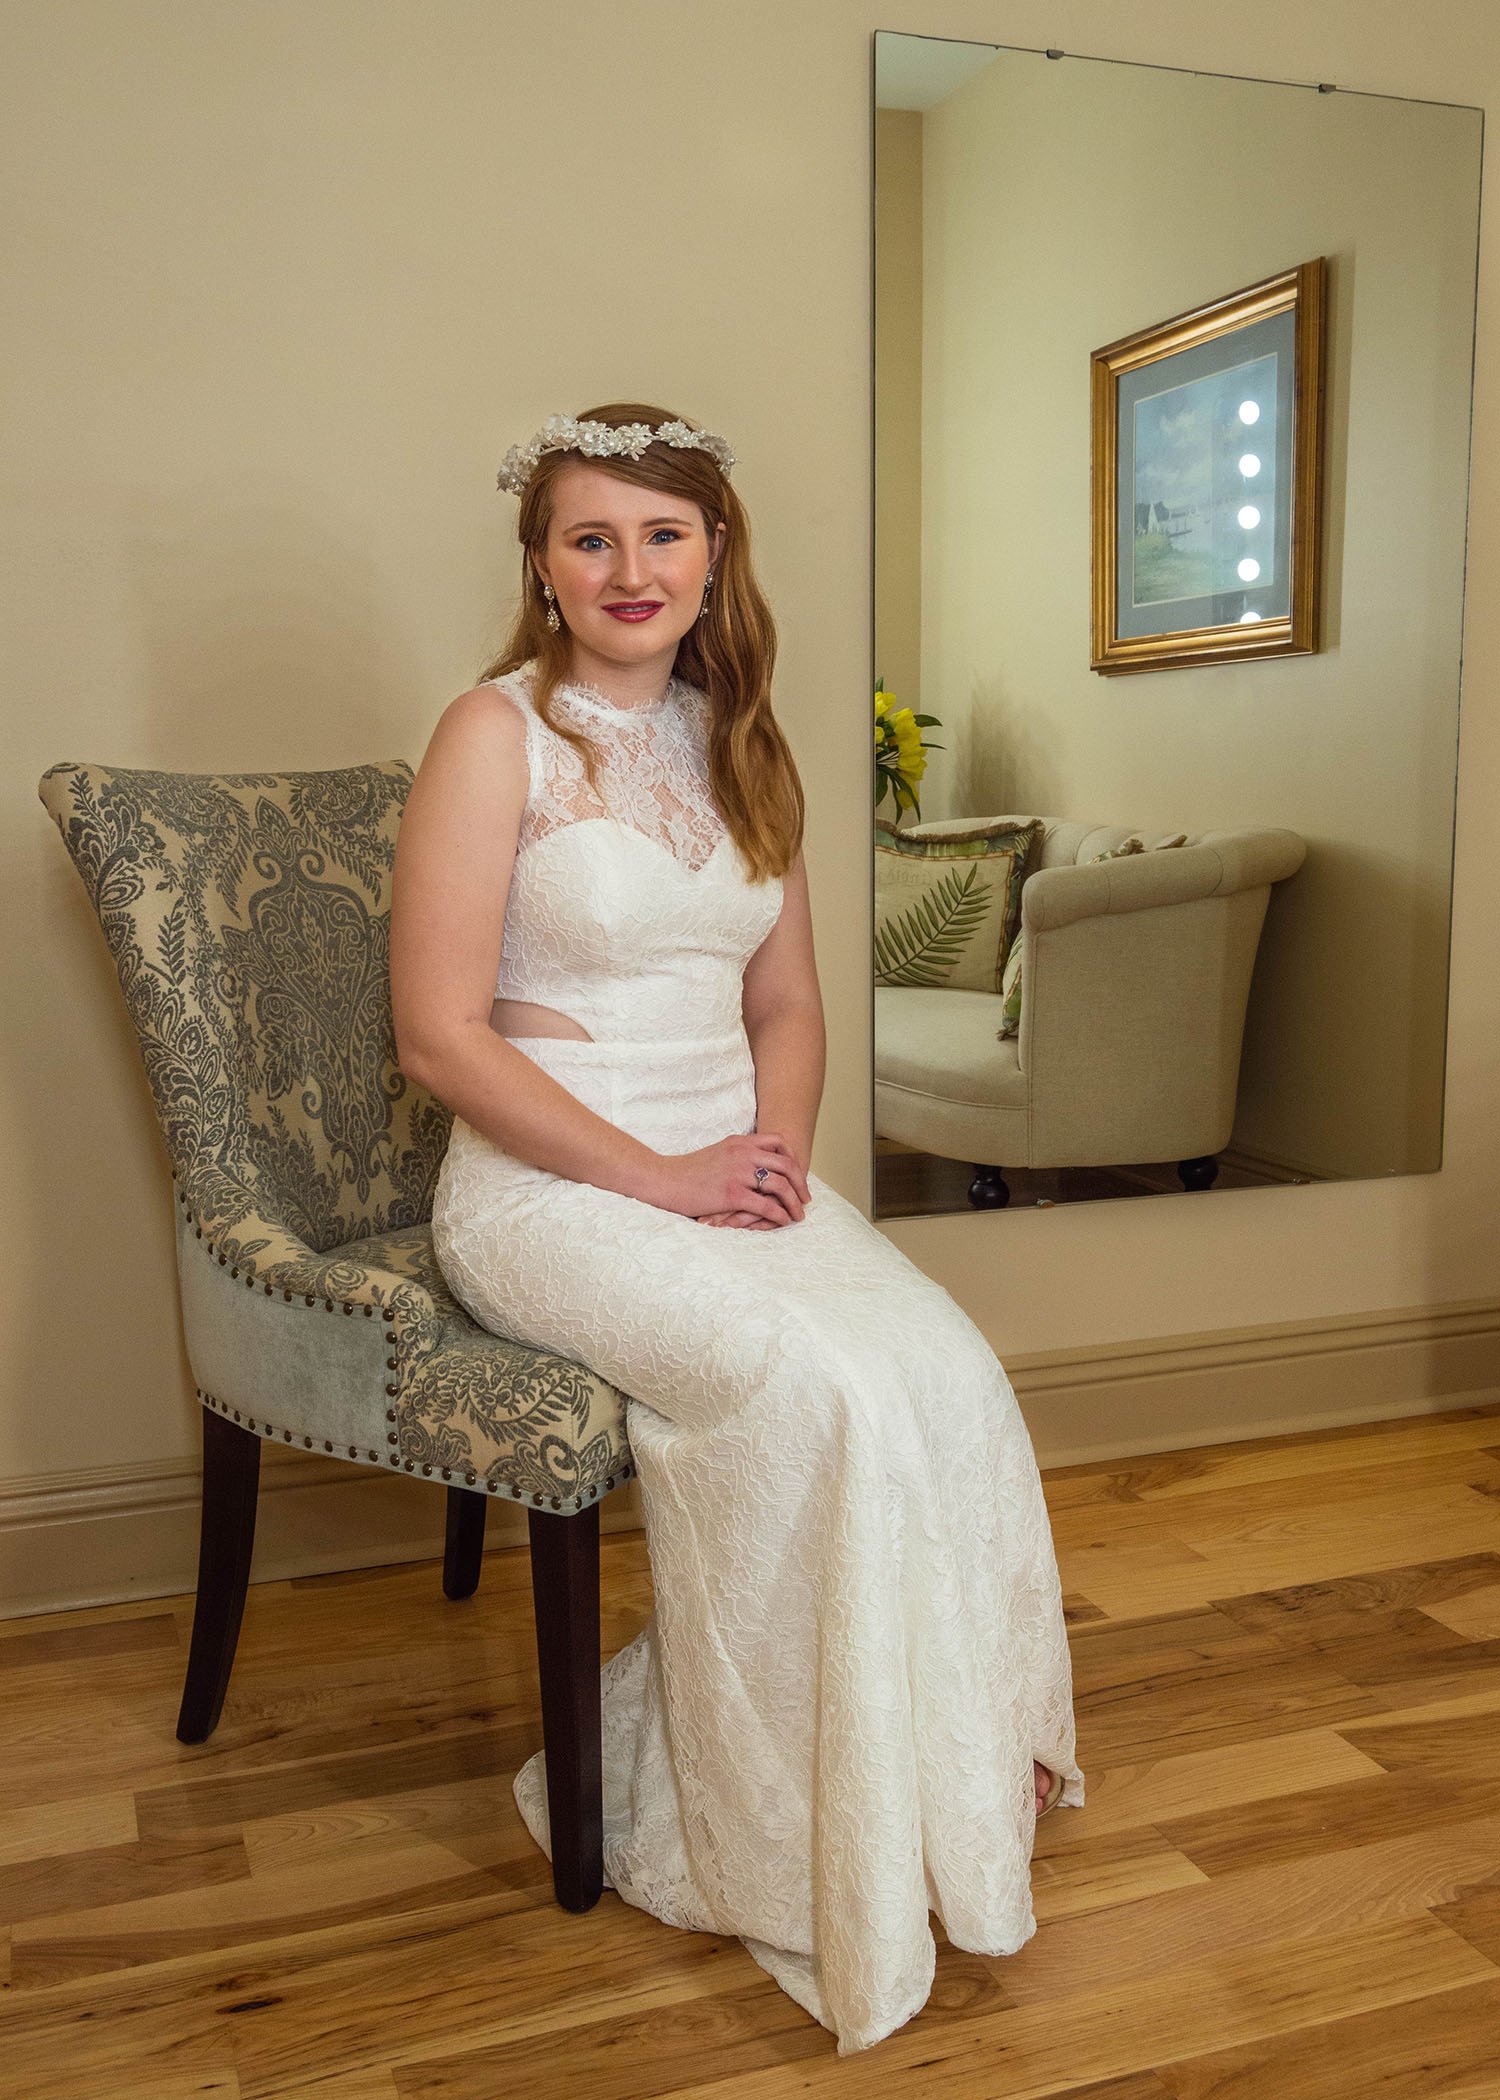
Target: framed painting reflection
<point x="1206" y="481"/>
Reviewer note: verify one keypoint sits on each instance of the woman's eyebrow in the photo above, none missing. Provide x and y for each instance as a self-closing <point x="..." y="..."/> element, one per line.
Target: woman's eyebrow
<point x="603" y="524"/>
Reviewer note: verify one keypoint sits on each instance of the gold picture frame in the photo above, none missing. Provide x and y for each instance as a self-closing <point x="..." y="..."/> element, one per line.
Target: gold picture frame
<point x="1211" y="579"/>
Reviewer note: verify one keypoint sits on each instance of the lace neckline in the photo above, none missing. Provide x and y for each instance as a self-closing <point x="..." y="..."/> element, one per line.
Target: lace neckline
<point x="591" y="701"/>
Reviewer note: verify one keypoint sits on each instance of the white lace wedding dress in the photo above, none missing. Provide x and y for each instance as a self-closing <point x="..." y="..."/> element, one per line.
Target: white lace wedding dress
<point x="827" y="1727"/>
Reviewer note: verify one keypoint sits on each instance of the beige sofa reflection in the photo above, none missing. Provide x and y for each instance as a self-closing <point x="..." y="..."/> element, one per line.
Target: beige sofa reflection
<point x="1135" y="981"/>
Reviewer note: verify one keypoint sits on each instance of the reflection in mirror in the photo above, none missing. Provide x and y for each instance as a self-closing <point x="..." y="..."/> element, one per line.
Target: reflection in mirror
<point x="1187" y="928"/>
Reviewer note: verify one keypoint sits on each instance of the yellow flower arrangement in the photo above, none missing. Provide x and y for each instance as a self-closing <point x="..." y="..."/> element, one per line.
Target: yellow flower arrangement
<point x="900" y="753"/>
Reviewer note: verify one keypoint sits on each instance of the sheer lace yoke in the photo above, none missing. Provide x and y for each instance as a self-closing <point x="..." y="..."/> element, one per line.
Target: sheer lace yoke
<point x="653" y="768"/>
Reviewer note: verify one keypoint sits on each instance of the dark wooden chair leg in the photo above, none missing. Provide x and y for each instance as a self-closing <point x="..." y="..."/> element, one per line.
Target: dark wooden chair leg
<point x="565" y="1594"/>
<point x="463" y="1549"/>
<point x="226" y="1539"/>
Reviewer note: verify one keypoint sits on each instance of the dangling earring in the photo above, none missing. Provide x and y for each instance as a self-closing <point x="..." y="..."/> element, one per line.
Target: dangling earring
<point x="552" y="620"/>
<point x="707" y="587"/>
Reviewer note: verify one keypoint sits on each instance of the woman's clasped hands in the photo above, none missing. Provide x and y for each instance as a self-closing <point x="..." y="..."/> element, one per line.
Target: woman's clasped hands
<point x="716" y="1185"/>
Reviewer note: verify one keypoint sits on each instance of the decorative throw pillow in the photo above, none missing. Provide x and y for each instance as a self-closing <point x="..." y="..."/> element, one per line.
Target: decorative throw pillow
<point x="948" y="900"/>
<point x="1010" y="983"/>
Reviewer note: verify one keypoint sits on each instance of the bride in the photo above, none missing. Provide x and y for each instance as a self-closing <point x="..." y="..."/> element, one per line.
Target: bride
<point x="853" y="1696"/>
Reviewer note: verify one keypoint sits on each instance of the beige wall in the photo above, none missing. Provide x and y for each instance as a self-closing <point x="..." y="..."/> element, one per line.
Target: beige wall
<point x="1028" y="269"/>
<point x="284" y="283"/>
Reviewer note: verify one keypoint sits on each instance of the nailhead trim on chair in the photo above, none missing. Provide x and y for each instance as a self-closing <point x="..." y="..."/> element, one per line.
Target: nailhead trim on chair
<point x="449" y="1473"/>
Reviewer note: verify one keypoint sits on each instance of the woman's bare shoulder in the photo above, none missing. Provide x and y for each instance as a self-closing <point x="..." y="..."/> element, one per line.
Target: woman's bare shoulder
<point x="487" y="715"/>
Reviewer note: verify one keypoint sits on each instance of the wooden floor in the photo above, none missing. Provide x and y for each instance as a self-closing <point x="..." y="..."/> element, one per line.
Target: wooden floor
<point x="1285" y="1882"/>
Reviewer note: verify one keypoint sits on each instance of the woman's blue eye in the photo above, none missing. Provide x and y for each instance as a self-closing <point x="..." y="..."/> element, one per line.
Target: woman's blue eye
<point x="587" y="536"/>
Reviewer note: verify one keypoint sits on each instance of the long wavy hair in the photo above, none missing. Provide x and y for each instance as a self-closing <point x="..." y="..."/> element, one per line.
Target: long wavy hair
<point x="728" y="654"/>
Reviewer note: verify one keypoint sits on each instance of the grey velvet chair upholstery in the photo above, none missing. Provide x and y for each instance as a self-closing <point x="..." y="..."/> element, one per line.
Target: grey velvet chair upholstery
<point x="248" y="919"/>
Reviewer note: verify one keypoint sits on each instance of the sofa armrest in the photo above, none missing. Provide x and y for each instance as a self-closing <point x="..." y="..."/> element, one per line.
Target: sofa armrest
<point x="1053" y="897"/>
<point x="1137" y="972"/>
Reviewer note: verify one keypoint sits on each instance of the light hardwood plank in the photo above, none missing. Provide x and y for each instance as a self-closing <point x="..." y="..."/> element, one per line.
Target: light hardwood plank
<point x="1475" y="1614"/>
<point x="1437" y="2048"/>
<point x="56" y="1828"/>
<point x="1124" y="1796"/>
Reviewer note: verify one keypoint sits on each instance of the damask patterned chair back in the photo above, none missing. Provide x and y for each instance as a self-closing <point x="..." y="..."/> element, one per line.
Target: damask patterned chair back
<point x="248" y="915"/>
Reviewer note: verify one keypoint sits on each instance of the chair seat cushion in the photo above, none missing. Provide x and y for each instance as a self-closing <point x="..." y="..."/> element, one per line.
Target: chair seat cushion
<point x="943" y="1043"/>
<point x="545" y="1426"/>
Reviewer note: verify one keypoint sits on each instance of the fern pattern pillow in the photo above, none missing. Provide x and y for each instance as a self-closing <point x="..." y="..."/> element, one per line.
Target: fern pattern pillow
<point x="947" y="907"/>
<point x="1010" y="984"/>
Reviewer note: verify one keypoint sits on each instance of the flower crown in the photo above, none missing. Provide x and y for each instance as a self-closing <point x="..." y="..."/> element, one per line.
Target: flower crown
<point x="569" y="434"/>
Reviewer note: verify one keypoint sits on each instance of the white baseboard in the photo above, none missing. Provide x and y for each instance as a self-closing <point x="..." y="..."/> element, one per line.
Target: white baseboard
<point x="117" y="1533"/>
<point x="1230" y="1385"/>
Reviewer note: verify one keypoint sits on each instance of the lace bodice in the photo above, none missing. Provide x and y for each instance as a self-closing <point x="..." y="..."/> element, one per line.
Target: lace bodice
<point x="630" y="910"/>
<point x="655" y="774"/>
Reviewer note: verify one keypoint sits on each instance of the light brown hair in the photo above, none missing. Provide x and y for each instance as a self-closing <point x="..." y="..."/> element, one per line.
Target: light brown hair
<point x="729" y="654"/>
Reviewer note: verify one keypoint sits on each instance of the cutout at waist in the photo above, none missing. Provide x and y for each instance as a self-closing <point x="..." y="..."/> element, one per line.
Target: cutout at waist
<point x="526" y="1018"/>
<point x="700" y="1058"/>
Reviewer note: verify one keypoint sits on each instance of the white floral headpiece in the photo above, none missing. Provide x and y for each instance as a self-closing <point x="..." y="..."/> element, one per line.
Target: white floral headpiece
<point x="598" y="440"/>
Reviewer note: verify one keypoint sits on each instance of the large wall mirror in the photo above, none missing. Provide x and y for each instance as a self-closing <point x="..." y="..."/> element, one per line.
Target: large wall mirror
<point x="1172" y="414"/>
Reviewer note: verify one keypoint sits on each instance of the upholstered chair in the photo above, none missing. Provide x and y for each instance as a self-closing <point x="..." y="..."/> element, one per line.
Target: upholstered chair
<point x="1136" y="977"/>
<point x="248" y="918"/>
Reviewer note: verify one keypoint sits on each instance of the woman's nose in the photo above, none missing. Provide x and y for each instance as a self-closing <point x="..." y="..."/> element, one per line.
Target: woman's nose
<point x="631" y="567"/>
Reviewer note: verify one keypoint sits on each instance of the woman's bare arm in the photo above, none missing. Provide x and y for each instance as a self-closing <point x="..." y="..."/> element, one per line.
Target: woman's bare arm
<point x="783" y="1014"/>
<point x="454" y="855"/>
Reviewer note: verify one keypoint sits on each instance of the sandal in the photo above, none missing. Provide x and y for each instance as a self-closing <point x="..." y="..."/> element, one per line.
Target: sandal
<point x="1054" y="1792"/>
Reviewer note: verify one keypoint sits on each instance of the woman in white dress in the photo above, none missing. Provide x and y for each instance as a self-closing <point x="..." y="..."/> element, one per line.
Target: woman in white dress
<point x="855" y="1687"/>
